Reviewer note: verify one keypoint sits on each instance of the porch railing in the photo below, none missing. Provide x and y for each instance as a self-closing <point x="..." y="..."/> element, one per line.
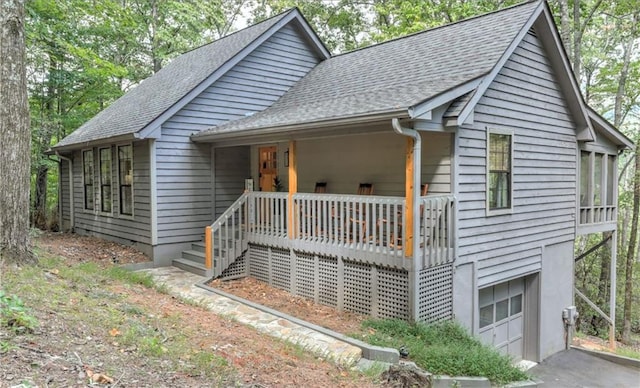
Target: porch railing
<point x="437" y="230"/>
<point x="598" y="214"/>
<point x="226" y="238"/>
<point x="363" y="228"/>
<point x="367" y="228"/>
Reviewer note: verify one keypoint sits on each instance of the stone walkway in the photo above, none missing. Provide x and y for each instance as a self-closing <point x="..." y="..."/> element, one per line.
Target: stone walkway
<point x="182" y="284"/>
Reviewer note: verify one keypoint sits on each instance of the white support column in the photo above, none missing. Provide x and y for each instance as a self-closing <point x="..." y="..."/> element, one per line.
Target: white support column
<point x="612" y="301"/>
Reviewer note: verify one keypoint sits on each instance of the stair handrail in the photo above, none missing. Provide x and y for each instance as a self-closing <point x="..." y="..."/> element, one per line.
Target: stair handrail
<point x="216" y="225"/>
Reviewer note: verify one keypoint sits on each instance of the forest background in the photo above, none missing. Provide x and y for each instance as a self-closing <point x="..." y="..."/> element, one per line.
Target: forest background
<point x="84" y="54"/>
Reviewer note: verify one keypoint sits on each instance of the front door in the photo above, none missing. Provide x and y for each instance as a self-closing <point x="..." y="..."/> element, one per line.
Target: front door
<point x="501" y="317"/>
<point x="268" y="168"/>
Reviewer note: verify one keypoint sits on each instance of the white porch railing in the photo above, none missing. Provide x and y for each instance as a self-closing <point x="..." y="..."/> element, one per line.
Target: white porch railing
<point x="437" y="230"/>
<point x="363" y="228"/>
<point x="226" y="238"/>
<point x="598" y="214"/>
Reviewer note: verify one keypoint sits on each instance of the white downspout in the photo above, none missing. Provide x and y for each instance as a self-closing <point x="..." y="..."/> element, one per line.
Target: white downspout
<point x="414" y="274"/>
<point x="71" y="205"/>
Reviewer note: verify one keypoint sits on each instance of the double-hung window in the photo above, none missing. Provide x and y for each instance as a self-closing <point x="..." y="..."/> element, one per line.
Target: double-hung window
<point x="87" y="178"/>
<point x="125" y="179"/>
<point x="499" y="171"/>
<point x="105" y="180"/>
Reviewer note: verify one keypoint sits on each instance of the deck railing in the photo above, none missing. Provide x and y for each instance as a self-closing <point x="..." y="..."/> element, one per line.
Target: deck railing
<point x="226" y="238"/>
<point x="363" y="228"/>
<point x="437" y="230"/>
<point x="598" y="214"/>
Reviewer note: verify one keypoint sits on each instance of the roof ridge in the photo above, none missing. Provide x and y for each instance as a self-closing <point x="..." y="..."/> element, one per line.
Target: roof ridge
<point x="438" y="27"/>
<point x="281" y="14"/>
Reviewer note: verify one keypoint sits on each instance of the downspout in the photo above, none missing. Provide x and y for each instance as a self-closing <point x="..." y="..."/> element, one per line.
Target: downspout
<point x="417" y="163"/>
<point x="416" y="265"/>
<point x="71" y="205"/>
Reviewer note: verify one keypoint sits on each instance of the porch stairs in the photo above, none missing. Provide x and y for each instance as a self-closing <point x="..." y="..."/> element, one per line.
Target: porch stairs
<point x="192" y="260"/>
<point x="228" y="238"/>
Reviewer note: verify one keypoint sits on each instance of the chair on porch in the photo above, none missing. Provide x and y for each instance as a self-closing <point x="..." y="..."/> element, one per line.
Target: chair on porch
<point x="365" y="189"/>
<point x="357" y="225"/>
<point x="321" y="187"/>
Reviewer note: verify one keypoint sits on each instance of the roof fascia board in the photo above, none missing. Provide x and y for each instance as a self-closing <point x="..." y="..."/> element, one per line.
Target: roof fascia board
<point x="559" y="59"/>
<point x="263" y="131"/>
<point x="94" y="143"/>
<point x="418" y="111"/>
<point x="319" y="46"/>
<point x="219" y="72"/>
<point x="610" y="131"/>
<point x="489" y="78"/>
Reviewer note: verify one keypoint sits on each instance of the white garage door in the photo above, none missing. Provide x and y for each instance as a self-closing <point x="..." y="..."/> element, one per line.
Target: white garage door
<point x="502" y="318"/>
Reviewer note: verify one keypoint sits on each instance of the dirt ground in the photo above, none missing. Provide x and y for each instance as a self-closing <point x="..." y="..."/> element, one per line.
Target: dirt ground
<point x="60" y="354"/>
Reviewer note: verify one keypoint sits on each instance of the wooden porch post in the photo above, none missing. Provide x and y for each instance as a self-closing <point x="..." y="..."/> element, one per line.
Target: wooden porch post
<point x="293" y="188"/>
<point x="408" y="208"/>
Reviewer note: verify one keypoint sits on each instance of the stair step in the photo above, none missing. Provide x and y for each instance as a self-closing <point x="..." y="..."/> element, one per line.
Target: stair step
<point x="198" y="246"/>
<point x="195" y="256"/>
<point x="190" y="266"/>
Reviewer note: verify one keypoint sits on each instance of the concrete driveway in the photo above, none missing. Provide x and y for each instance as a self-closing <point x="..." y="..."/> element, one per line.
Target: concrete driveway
<point x="574" y="368"/>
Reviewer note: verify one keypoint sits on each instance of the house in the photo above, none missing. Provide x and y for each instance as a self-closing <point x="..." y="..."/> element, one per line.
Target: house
<point x="456" y="167"/>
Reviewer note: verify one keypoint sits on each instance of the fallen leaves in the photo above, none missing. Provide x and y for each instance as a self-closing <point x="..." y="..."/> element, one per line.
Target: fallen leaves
<point x="97" y="378"/>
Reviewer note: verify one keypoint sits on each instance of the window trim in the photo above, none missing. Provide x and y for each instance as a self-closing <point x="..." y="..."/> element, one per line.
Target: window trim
<point x="93" y="180"/>
<point x="110" y="211"/>
<point x="120" y="185"/>
<point x="506" y="210"/>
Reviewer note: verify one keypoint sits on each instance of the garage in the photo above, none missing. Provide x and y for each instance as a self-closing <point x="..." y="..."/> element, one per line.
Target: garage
<point x="501" y="317"/>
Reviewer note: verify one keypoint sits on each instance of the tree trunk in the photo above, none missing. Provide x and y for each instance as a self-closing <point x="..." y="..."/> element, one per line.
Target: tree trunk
<point x="15" y="139"/>
<point x="631" y="253"/>
<point x="565" y="29"/>
<point x="40" y="197"/>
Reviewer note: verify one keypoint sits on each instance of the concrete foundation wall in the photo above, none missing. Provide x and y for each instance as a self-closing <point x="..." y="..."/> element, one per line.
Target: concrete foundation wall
<point x="556" y="293"/>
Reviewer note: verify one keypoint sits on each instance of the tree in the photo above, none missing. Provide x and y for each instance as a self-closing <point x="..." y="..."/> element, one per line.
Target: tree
<point x="15" y="148"/>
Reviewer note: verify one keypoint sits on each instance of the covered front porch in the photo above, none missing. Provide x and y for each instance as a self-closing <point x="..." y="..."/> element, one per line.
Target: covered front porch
<point x="303" y="223"/>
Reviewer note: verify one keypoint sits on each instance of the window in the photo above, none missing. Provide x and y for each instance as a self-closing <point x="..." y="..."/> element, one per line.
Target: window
<point x="597" y="179"/>
<point x="585" y="176"/>
<point x="105" y="179"/>
<point x="87" y="178"/>
<point x="125" y="179"/>
<point x="499" y="171"/>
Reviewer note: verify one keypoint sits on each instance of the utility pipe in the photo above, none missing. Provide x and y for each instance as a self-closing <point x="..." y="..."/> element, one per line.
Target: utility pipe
<point x="417" y="163"/>
<point x="71" y="206"/>
<point x="416" y="265"/>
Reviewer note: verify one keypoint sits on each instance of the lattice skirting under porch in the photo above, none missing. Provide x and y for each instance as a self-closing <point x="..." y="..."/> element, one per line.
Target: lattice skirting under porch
<point x="348" y="285"/>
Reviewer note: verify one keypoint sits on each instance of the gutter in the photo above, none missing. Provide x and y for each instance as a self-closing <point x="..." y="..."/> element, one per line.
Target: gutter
<point x="414" y="275"/>
<point x="207" y="136"/>
<point x="71" y="204"/>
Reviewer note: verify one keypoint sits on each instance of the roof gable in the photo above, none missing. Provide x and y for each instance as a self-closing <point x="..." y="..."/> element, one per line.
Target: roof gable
<point x="391" y="77"/>
<point x="140" y="112"/>
<point x="542" y="22"/>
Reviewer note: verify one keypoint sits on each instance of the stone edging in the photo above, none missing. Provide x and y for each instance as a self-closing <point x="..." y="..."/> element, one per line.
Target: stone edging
<point x="370" y="352"/>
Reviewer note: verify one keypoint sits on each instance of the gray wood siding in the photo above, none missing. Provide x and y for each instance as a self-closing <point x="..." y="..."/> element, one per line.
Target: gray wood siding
<point x="344" y="162"/>
<point x="184" y="184"/>
<point x="65" y="195"/>
<point x="136" y="228"/>
<point x="231" y="169"/>
<point x="523" y="98"/>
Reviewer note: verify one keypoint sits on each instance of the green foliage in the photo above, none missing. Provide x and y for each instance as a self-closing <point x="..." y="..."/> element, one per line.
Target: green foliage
<point x="14" y="315"/>
<point x="444" y="349"/>
<point x="83" y="296"/>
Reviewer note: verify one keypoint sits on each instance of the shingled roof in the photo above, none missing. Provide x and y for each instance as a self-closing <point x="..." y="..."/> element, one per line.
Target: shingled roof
<point x="140" y="106"/>
<point x="391" y="76"/>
